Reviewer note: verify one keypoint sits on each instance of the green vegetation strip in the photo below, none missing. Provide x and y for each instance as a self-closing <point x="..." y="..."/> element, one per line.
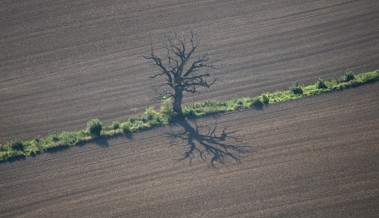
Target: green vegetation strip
<point x="19" y="149"/>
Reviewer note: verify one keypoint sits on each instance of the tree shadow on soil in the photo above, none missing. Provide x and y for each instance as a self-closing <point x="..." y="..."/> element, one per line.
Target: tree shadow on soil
<point x="215" y="146"/>
<point x="102" y="142"/>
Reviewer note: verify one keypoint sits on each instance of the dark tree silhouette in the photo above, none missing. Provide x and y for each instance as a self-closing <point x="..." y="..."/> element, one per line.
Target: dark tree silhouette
<point x="182" y="71"/>
<point x="218" y="147"/>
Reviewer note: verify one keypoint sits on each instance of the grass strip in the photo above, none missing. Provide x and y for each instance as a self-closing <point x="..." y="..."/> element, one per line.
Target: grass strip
<point x="19" y="149"/>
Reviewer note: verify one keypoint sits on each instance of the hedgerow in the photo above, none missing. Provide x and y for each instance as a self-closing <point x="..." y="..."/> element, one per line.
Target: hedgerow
<point x="17" y="149"/>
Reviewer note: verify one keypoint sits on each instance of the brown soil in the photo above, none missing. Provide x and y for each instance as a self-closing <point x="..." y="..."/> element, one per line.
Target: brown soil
<point x="316" y="157"/>
<point x="63" y="63"/>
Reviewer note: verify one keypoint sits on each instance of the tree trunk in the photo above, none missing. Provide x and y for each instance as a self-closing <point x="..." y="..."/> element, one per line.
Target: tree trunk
<point x="177" y="104"/>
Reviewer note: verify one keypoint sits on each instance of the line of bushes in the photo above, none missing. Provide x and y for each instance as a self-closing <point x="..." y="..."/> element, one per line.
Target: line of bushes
<point x="151" y="118"/>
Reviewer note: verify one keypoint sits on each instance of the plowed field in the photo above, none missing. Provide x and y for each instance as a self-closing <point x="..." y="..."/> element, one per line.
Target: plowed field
<point x="317" y="157"/>
<point x="64" y="62"/>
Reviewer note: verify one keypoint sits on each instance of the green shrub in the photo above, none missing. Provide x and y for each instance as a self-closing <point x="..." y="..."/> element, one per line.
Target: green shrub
<point x="17" y="145"/>
<point x="244" y="102"/>
<point x="55" y="137"/>
<point x="150" y="113"/>
<point x="125" y="127"/>
<point x="265" y="99"/>
<point x="348" y="76"/>
<point x="115" y="125"/>
<point x="166" y="110"/>
<point x="239" y="102"/>
<point x="257" y="103"/>
<point x="34" y="152"/>
<point x="321" y="84"/>
<point x="94" y="127"/>
<point x="138" y="124"/>
<point x="11" y="155"/>
<point x="69" y="138"/>
<point x="152" y="116"/>
<point x="189" y="111"/>
<point x="369" y="76"/>
<point x="37" y="140"/>
<point x="4" y="147"/>
<point x="296" y="89"/>
<point x="35" y="149"/>
<point x="82" y="133"/>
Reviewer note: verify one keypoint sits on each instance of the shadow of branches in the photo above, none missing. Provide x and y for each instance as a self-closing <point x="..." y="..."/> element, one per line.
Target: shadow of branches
<point x="208" y="143"/>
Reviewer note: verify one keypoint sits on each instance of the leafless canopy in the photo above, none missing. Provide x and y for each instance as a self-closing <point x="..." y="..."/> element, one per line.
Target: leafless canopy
<point x="181" y="70"/>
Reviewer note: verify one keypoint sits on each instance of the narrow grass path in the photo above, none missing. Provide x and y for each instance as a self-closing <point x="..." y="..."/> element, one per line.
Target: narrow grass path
<point x="19" y="149"/>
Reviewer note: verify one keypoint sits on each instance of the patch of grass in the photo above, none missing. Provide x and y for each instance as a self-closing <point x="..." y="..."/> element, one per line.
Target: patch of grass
<point x="200" y="109"/>
<point x="281" y="96"/>
<point x="19" y="149"/>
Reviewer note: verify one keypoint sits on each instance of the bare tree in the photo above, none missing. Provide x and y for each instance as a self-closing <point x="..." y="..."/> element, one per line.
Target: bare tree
<point x="181" y="71"/>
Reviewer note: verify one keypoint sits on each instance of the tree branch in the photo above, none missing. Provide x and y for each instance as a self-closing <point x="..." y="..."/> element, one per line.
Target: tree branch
<point x="158" y="62"/>
<point x="181" y="71"/>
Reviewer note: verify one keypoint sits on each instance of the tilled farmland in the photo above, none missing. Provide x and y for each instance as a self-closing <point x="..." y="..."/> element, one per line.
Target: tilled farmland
<point x="316" y="157"/>
<point x="63" y="63"/>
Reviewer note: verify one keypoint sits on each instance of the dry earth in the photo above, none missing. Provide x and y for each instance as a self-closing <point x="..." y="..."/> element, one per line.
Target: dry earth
<point x="316" y="157"/>
<point x="64" y="62"/>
